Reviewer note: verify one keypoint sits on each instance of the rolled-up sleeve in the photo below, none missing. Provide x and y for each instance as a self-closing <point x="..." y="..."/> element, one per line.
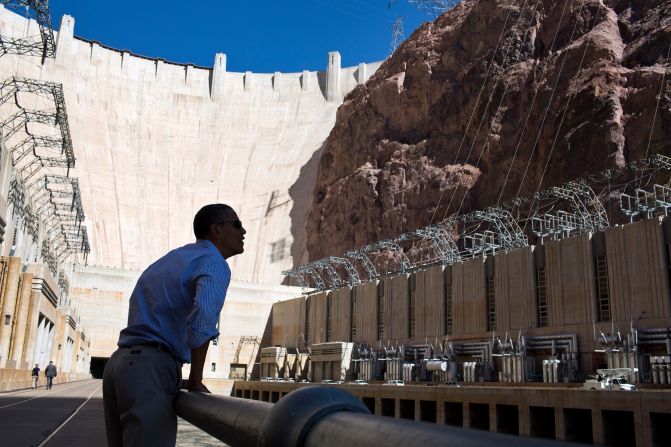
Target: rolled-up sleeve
<point x="211" y="285"/>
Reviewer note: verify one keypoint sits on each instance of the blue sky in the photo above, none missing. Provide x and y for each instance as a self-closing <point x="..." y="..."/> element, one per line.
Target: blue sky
<point x="260" y="36"/>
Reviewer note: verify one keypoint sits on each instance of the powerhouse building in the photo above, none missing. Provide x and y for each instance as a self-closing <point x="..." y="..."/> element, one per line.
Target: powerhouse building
<point x="553" y="312"/>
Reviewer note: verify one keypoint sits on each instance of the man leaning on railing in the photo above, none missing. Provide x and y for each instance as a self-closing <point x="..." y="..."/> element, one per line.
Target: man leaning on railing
<point x="173" y="315"/>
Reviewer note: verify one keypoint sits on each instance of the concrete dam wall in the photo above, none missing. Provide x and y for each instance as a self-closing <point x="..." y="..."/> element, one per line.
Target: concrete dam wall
<point x="155" y="141"/>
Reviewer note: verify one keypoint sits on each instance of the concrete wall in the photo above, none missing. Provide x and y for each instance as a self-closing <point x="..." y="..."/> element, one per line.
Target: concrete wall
<point x="395" y="308"/>
<point x="155" y="141"/>
<point x="515" y="290"/>
<point x="341" y="314"/>
<point x="316" y="318"/>
<point x="365" y="305"/>
<point x="468" y="285"/>
<point x="638" y="270"/>
<point x="101" y="298"/>
<point x="288" y="323"/>
<point x="430" y="304"/>
<point x="570" y="281"/>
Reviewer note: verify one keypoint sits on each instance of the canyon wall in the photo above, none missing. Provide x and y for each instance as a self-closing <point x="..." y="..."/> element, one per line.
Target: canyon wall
<point x="494" y="99"/>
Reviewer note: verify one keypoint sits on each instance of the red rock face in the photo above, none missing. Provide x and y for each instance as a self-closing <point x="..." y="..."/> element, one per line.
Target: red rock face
<point x="493" y="100"/>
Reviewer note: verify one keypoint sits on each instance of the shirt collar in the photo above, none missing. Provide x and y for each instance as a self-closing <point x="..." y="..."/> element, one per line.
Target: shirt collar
<point x="209" y="245"/>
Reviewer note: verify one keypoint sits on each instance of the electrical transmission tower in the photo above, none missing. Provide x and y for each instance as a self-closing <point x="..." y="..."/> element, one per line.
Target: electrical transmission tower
<point x="42" y="194"/>
<point x="434" y="7"/>
<point x="43" y="45"/>
<point x="397" y="34"/>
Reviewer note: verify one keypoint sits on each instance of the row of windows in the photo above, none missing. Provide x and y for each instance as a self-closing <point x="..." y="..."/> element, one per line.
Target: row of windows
<point x="447" y="306"/>
<point x="602" y="295"/>
<point x="352" y="312"/>
<point x="491" y="304"/>
<point x="329" y="317"/>
<point x="542" y="315"/>
<point x="412" y="286"/>
<point x="380" y="310"/>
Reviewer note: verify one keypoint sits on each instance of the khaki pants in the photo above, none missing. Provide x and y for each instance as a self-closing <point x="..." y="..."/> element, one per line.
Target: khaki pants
<point x="35" y="382"/>
<point x="139" y="386"/>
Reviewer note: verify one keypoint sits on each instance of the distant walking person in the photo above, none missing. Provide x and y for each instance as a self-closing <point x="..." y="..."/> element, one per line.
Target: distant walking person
<point x="50" y="372"/>
<point x="36" y="375"/>
<point x="172" y="316"/>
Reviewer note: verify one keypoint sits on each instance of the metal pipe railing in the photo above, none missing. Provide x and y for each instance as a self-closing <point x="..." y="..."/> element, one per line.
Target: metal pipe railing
<point x="232" y="420"/>
<point x="318" y="416"/>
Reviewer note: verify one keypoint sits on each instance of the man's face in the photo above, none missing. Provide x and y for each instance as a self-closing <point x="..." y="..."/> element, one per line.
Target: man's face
<point x="228" y="235"/>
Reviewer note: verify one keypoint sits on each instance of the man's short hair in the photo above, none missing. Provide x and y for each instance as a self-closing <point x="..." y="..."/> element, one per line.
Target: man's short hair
<point x="208" y="215"/>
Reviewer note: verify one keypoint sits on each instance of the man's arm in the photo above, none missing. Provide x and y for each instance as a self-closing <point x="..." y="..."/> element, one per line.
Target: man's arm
<point x="198" y="355"/>
<point x="211" y="287"/>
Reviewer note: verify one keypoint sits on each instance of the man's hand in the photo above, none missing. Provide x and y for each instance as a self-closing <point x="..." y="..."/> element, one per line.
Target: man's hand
<point x="195" y="382"/>
<point x="197" y="387"/>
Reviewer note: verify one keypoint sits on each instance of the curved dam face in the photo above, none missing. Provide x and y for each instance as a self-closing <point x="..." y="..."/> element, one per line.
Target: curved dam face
<point x="155" y="141"/>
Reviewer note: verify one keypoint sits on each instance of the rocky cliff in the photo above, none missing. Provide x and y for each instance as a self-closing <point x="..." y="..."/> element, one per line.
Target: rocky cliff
<point x="494" y="99"/>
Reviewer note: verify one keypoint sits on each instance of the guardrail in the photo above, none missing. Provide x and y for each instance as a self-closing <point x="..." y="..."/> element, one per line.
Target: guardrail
<point x="318" y="416"/>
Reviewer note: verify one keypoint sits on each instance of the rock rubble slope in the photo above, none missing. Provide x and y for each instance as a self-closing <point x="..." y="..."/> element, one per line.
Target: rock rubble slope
<point x="493" y="100"/>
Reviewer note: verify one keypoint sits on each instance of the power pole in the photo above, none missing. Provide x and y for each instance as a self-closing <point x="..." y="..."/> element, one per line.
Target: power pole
<point x="434" y="7"/>
<point x="397" y="34"/>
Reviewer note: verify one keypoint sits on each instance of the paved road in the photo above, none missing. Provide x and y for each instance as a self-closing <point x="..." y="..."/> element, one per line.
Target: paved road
<point x="68" y="415"/>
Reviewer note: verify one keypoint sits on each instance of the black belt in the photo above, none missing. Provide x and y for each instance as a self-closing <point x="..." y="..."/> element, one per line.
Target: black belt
<point x="156" y="346"/>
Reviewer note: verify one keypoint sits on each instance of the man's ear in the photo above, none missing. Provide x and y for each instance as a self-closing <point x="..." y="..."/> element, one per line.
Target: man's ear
<point x="214" y="230"/>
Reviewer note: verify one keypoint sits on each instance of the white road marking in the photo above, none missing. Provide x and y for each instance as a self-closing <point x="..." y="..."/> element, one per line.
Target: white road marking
<point x="50" y="393"/>
<point x="43" y="443"/>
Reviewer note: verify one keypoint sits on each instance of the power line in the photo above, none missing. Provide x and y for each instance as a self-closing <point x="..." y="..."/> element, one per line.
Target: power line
<point x="380" y="15"/>
<point x="659" y="98"/>
<point x="359" y="14"/>
<point x="489" y="101"/>
<point x="561" y="122"/>
<point x="533" y="101"/>
<point x="477" y="101"/>
<point x="374" y="7"/>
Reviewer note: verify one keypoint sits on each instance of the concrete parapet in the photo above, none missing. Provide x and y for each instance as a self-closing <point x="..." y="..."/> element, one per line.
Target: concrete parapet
<point x="125" y="63"/>
<point x="277" y="78"/>
<point x="159" y="70"/>
<point x="218" y="75"/>
<point x="333" y="70"/>
<point x="65" y="37"/>
<point x="304" y="80"/>
<point x="217" y="79"/>
<point x="361" y="75"/>
<point x="248" y="81"/>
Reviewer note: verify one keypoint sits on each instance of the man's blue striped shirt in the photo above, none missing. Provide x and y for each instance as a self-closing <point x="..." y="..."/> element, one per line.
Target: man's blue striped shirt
<point x="177" y="300"/>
